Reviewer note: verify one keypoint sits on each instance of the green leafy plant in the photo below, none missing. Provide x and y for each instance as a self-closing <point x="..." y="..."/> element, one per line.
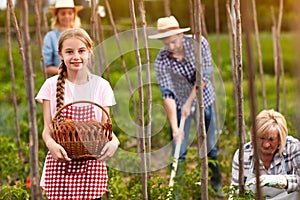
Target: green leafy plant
<point x="14" y="192"/>
<point x="232" y="192"/>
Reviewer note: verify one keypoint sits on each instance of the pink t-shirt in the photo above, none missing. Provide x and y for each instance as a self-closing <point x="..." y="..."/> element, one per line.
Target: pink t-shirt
<point x="97" y="90"/>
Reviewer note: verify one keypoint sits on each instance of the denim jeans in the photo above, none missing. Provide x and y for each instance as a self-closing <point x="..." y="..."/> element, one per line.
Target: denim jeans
<point x="212" y="149"/>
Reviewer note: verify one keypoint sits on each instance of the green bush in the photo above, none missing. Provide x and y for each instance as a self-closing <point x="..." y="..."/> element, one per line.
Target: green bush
<point x="15" y="192"/>
<point x="13" y="169"/>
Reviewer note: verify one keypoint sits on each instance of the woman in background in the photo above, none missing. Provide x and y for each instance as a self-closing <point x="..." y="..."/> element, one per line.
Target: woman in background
<point x="279" y="158"/>
<point x="64" y="16"/>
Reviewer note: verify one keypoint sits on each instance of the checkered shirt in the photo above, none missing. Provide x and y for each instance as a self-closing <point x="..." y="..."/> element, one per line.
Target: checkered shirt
<point x="178" y="77"/>
<point x="286" y="164"/>
<point x="77" y="179"/>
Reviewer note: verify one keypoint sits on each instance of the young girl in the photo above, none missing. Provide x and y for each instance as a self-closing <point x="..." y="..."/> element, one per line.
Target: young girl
<point x="62" y="177"/>
<point x="64" y="16"/>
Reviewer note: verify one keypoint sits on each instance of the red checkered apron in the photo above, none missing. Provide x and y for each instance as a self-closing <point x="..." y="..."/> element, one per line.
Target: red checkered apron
<point x="77" y="179"/>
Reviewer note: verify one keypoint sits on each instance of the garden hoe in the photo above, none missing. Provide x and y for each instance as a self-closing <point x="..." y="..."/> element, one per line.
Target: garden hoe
<point x="176" y="156"/>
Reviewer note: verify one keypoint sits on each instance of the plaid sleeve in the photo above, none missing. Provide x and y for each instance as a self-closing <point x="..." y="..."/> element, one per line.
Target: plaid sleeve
<point x="235" y="169"/>
<point x="206" y="61"/>
<point x="166" y="93"/>
<point x="163" y="75"/>
<point x="294" y="179"/>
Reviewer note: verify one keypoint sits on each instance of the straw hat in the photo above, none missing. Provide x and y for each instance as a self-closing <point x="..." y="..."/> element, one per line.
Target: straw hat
<point x="64" y="4"/>
<point x="166" y="27"/>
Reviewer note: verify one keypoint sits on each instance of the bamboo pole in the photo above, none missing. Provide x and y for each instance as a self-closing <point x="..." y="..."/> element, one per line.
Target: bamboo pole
<point x="280" y="59"/>
<point x="240" y="96"/>
<point x="141" y="101"/>
<point x="260" y="60"/>
<point x="216" y="109"/>
<point x="276" y="60"/>
<point x="93" y="33"/>
<point x="217" y="20"/>
<point x="38" y="33"/>
<point x="130" y="90"/>
<point x="148" y="81"/>
<point x="98" y="36"/>
<point x="167" y="8"/>
<point x="93" y="20"/>
<point x="102" y="50"/>
<point x="203" y="24"/>
<point x="13" y="83"/>
<point x="296" y="69"/>
<point x="201" y="133"/>
<point x="232" y="46"/>
<point x="191" y="8"/>
<point x="251" y="82"/>
<point x="45" y="27"/>
<point x="33" y="137"/>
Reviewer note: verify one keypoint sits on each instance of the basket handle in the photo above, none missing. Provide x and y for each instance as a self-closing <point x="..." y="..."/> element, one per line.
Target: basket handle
<point x="83" y="101"/>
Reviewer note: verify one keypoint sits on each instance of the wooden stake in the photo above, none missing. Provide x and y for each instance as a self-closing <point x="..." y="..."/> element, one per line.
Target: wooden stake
<point x="167" y="8"/>
<point x="141" y="101"/>
<point x="33" y="137"/>
<point x="260" y="60"/>
<point x="13" y="83"/>
<point x="148" y="82"/>
<point x="130" y="90"/>
<point x="251" y="82"/>
<point x="201" y="133"/>
<point x="239" y="90"/>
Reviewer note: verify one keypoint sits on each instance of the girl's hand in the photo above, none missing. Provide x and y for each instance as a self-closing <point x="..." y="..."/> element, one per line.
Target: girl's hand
<point x="109" y="149"/>
<point x="57" y="151"/>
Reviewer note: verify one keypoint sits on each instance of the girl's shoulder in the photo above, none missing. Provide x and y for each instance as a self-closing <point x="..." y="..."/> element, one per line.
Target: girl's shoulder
<point x="51" y="80"/>
<point x="99" y="80"/>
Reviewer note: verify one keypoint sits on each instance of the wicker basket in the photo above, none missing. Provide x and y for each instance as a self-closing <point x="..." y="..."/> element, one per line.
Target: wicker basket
<point x="81" y="140"/>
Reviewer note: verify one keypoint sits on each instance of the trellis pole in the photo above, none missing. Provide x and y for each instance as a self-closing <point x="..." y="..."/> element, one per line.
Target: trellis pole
<point x="217" y="19"/>
<point x="93" y="20"/>
<point x="191" y="13"/>
<point x="39" y="41"/>
<point x="13" y="83"/>
<point x="141" y="101"/>
<point x="102" y="52"/>
<point x="148" y="81"/>
<point x="203" y="24"/>
<point x="259" y="54"/>
<point x="280" y="55"/>
<point x="216" y="107"/>
<point x="251" y="80"/>
<point x="130" y="90"/>
<point x="167" y="8"/>
<point x="27" y="70"/>
<point x="201" y="133"/>
<point x="278" y="61"/>
<point x="231" y="24"/>
<point x="238" y="72"/>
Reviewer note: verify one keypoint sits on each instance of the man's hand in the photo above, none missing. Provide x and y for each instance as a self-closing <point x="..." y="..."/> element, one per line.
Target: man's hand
<point x="186" y="109"/>
<point x="176" y="134"/>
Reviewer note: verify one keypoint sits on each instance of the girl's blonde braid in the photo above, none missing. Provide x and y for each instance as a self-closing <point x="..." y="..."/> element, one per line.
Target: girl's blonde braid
<point x="60" y="89"/>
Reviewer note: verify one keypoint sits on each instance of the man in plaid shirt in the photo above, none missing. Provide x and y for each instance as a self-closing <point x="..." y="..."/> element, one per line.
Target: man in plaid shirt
<point x="176" y="75"/>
